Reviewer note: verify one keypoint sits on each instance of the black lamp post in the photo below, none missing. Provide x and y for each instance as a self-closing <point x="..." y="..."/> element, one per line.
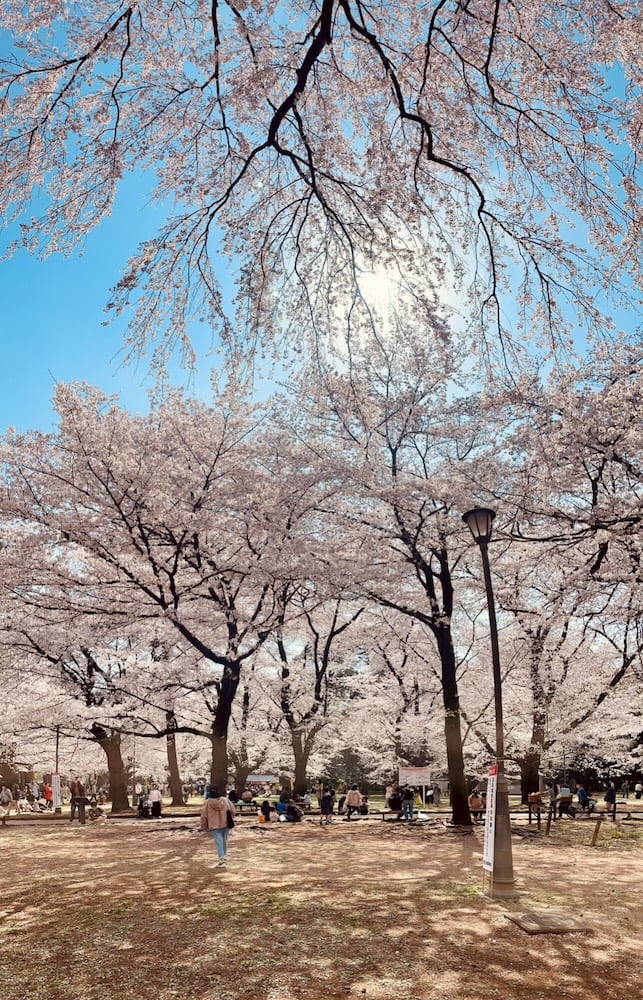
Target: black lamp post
<point x="479" y="521"/>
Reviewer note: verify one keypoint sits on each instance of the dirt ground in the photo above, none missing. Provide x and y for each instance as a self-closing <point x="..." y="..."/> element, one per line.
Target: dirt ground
<point x="361" y="909"/>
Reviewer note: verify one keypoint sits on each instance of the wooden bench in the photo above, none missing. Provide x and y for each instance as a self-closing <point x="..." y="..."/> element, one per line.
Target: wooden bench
<point x="242" y="806"/>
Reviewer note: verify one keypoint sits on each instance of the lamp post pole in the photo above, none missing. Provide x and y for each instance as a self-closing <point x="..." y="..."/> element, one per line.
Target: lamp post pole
<point x="503" y="885"/>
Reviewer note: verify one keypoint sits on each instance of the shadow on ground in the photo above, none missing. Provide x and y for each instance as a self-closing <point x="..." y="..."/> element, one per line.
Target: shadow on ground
<point x="374" y="910"/>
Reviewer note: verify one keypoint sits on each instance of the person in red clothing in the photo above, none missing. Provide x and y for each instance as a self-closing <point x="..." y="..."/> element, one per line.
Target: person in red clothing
<point x="48" y="795"/>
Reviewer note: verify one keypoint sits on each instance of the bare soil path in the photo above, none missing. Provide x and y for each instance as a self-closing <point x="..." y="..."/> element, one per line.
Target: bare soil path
<point x="368" y="909"/>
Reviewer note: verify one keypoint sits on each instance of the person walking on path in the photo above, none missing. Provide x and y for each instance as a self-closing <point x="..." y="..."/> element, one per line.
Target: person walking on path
<point x="326" y="806"/>
<point x="214" y="817"/>
<point x="48" y="795"/>
<point x="78" y="800"/>
<point x="7" y="800"/>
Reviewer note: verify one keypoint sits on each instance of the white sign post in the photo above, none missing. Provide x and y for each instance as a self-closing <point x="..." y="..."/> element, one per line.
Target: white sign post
<point x="490" y="820"/>
<point x="415" y="776"/>
<point x="56" y="794"/>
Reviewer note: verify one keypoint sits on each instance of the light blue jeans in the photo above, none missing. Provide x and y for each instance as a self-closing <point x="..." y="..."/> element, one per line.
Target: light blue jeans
<point x="220" y="838"/>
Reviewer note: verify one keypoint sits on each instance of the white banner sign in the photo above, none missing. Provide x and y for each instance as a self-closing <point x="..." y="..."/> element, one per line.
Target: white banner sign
<point x="415" y="776"/>
<point x="55" y="788"/>
<point x="490" y="820"/>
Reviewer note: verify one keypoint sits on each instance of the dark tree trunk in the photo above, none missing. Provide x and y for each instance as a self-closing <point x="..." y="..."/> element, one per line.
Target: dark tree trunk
<point x="241" y="773"/>
<point x="452" y="730"/>
<point x="219" y="738"/>
<point x="176" y="785"/>
<point x="301" y="754"/>
<point x="529" y="774"/>
<point x="111" y="745"/>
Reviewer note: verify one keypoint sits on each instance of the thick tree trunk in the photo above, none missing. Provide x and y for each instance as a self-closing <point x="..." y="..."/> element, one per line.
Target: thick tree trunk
<point x="301" y="754"/>
<point x="529" y="773"/>
<point x="111" y="745"/>
<point x="176" y="785"/>
<point x="220" y="723"/>
<point x="219" y="765"/>
<point x="241" y="773"/>
<point x="452" y="730"/>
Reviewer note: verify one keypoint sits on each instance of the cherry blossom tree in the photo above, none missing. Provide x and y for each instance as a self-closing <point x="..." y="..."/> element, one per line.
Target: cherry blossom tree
<point x="568" y="566"/>
<point x="314" y="638"/>
<point x="398" y="693"/>
<point x="75" y="691"/>
<point x="150" y="521"/>
<point x="455" y="145"/>
<point x="173" y="531"/>
<point x="399" y="535"/>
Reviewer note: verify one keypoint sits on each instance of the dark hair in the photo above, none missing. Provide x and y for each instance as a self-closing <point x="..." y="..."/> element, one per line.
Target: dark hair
<point x="214" y="792"/>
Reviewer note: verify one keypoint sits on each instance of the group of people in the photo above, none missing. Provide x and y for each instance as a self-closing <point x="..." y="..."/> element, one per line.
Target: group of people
<point x="638" y="789"/>
<point x="561" y="800"/>
<point x="149" y="801"/>
<point x="31" y="797"/>
<point x="401" y="800"/>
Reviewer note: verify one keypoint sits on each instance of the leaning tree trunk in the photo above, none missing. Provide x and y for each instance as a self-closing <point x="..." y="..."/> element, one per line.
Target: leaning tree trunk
<point x="219" y="731"/>
<point x="460" y="814"/>
<point x="176" y="785"/>
<point x="111" y="744"/>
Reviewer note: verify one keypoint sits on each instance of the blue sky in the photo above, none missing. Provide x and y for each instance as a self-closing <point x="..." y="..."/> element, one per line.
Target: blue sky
<point x="52" y="314"/>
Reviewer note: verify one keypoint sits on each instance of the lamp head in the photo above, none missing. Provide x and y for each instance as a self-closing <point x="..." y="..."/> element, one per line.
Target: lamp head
<point x="479" y="520"/>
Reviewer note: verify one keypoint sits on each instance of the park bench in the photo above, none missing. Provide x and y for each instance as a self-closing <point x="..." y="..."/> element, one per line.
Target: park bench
<point x="242" y="807"/>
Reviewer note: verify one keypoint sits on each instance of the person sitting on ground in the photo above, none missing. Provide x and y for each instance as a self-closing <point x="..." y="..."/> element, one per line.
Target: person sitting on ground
<point x="23" y="804"/>
<point x="363" y="809"/>
<point x="341" y="804"/>
<point x="476" y="804"/>
<point x="281" y="807"/>
<point x="266" y="810"/>
<point x="293" y="813"/>
<point x="246" y="795"/>
<point x="353" y="801"/>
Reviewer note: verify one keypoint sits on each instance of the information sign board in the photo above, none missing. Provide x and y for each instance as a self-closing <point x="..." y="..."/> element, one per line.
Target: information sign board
<point x="490" y="820"/>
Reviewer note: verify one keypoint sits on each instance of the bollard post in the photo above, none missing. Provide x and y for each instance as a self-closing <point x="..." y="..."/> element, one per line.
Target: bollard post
<point x="599" y="820"/>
